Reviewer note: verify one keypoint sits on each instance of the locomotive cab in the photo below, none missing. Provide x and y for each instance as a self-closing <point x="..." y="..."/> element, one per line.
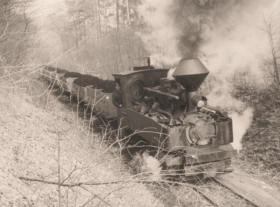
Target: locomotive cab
<point x="168" y="116"/>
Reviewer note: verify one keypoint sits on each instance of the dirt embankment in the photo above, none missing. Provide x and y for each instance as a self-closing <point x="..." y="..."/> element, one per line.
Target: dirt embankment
<point x="51" y="144"/>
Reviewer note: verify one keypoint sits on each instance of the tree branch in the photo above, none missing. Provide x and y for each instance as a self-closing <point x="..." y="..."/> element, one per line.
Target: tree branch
<point x="70" y="174"/>
<point x="79" y="184"/>
<point x="71" y="185"/>
<point x="4" y="32"/>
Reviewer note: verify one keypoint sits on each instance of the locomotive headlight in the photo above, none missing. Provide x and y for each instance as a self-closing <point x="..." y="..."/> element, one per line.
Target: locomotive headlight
<point x="200" y="133"/>
<point x="200" y="103"/>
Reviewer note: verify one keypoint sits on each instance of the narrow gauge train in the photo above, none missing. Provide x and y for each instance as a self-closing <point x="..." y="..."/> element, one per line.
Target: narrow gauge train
<point x="164" y="110"/>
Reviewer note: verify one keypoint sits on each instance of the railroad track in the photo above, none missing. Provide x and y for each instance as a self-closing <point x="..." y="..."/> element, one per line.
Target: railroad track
<point x="204" y="194"/>
<point x="218" y="195"/>
<point x="253" y="190"/>
<point x="211" y="194"/>
<point x="233" y="189"/>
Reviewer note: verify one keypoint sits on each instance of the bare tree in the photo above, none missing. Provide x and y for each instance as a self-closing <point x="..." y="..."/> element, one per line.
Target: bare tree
<point x="271" y="33"/>
<point x="128" y="12"/>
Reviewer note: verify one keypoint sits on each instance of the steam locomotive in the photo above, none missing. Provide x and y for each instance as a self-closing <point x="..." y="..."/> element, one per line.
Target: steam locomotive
<point x="160" y="106"/>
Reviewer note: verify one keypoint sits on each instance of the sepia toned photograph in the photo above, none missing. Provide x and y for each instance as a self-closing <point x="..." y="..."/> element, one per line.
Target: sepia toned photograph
<point x="139" y="103"/>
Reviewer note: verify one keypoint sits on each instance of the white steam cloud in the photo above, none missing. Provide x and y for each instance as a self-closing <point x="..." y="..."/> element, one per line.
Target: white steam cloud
<point x="49" y="16"/>
<point x="241" y="122"/>
<point x="152" y="166"/>
<point x="161" y="36"/>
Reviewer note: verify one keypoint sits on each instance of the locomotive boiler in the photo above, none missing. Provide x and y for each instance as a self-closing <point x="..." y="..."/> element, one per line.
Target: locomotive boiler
<point x="163" y="108"/>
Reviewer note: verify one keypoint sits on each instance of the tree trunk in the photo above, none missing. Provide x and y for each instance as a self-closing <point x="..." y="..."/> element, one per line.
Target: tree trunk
<point x="274" y="57"/>
<point x="117" y="15"/>
<point x="99" y="19"/>
<point x="127" y="12"/>
<point x="269" y="31"/>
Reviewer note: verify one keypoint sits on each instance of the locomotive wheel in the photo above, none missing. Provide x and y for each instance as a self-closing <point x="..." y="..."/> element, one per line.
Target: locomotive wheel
<point x="172" y="166"/>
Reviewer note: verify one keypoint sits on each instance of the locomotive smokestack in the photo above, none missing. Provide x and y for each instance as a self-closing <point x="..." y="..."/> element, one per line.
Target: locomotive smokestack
<point x="190" y="73"/>
<point x="149" y="61"/>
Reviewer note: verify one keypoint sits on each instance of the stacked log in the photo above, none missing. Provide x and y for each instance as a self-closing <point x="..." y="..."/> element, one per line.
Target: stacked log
<point x="91" y="90"/>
